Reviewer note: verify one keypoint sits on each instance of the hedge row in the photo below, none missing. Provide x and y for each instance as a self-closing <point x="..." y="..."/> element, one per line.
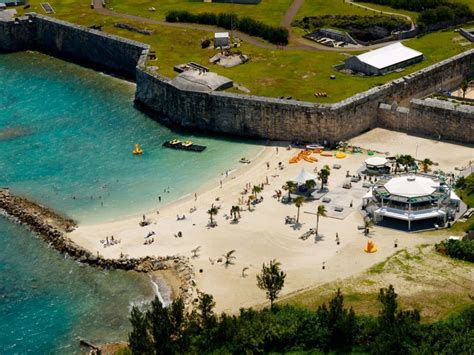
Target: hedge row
<point x="431" y="11"/>
<point x="276" y="35"/>
<point x="458" y="249"/>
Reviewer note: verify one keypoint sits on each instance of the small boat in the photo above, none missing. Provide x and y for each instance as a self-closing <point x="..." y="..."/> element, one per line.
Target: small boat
<point x="244" y="161"/>
<point x="340" y="155"/>
<point x="186" y="145"/>
<point x="137" y="150"/>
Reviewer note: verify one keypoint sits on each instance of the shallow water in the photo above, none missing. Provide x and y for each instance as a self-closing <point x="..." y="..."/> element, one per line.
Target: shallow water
<point x="66" y="136"/>
<point x="47" y="301"/>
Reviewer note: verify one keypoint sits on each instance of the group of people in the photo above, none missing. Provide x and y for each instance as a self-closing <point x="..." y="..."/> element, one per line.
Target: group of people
<point x="109" y="242"/>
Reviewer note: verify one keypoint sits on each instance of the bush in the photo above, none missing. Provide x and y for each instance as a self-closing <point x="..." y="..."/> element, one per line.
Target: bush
<point x="365" y="28"/>
<point x="458" y="249"/>
<point x="276" y="35"/>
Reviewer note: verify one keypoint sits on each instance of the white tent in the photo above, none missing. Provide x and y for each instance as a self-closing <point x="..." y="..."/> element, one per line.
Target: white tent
<point x="376" y="161"/>
<point x="303" y="177"/>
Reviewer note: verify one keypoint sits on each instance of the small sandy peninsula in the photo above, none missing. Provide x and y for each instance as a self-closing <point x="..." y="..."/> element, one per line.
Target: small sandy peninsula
<point x="262" y="234"/>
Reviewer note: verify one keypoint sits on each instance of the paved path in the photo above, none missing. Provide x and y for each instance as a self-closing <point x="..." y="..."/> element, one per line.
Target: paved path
<point x="383" y="12"/>
<point x="299" y="42"/>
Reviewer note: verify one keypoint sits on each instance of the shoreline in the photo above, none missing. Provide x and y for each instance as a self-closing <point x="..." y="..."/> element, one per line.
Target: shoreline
<point x="188" y="197"/>
<point x="54" y="229"/>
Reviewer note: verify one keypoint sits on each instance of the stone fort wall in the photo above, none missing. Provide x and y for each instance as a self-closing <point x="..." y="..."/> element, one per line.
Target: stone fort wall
<point x="235" y="114"/>
<point x="72" y="42"/>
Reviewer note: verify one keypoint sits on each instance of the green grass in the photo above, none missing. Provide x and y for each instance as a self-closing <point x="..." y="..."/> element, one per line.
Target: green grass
<point x="272" y="73"/>
<point x="268" y="11"/>
<point x="412" y="14"/>
<point x="432" y="283"/>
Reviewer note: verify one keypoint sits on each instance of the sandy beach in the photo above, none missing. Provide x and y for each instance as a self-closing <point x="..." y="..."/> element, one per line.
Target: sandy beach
<point x="261" y="234"/>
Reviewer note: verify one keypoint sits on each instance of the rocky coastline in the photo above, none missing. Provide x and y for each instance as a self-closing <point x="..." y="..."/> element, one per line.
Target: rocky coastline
<point x="54" y="228"/>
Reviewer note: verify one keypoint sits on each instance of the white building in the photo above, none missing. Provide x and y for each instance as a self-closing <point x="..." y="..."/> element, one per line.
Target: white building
<point x="384" y="60"/>
<point x="377" y="165"/>
<point x="221" y="39"/>
<point x="412" y="198"/>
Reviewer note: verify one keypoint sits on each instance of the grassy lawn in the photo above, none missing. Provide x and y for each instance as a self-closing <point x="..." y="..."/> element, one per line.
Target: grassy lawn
<point x="412" y="14"/>
<point x="268" y="11"/>
<point x="434" y="284"/>
<point x="271" y="73"/>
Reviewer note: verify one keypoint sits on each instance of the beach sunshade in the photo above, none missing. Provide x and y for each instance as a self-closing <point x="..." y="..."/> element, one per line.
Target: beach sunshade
<point x="303" y="177"/>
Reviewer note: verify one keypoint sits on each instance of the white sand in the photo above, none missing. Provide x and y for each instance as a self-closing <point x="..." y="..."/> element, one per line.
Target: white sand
<point x="262" y="235"/>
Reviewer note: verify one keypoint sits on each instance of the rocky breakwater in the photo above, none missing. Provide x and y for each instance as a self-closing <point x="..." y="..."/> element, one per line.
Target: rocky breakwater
<point x="54" y="228"/>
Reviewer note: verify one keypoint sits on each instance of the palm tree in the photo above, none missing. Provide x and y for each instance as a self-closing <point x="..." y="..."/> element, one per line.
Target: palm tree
<point x="426" y="163"/>
<point x="310" y="184"/>
<point x="291" y="187"/>
<point x="256" y="190"/>
<point x="465" y="86"/>
<point x="234" y="211"/>
<point x="229" y="257"/>
<point x="321" y="212"/>
<point x="298" y="203"/>
<point x="212" y="212"/>
<point x="271" y="279"/>
<point x="368" y="223"/>
<point x="323" y="175"/>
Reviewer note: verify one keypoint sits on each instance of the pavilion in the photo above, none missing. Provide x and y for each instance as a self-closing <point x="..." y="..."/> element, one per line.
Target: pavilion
<point x="411" y="198"/>
<point x="377" y="165"/>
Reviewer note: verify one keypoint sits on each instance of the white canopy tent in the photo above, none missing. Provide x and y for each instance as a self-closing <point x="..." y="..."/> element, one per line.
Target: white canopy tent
<point x="376" y="161"/>
<point x="303" y="177"/>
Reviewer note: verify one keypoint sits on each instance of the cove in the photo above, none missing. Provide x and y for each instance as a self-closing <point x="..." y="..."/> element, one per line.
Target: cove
<point x="66" y="136"/>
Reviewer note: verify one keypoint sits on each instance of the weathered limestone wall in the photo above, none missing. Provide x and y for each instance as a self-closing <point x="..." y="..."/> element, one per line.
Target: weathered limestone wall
<point x="244" y="115"/>
<point x="289" y="119"/>
<point x="72" y="42"/>
<point x="16" y="35"/>
<point x="430" y="117"/>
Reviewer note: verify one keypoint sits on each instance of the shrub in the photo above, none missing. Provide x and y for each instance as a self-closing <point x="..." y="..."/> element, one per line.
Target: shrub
<point x="458" y="249"/>
<point x="276" y="35"/>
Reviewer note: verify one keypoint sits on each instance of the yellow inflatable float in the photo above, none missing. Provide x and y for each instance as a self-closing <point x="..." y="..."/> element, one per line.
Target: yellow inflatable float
<point x="370" y="247"/>
<point x="340" y="155"/>
<point x="137" y="150"/>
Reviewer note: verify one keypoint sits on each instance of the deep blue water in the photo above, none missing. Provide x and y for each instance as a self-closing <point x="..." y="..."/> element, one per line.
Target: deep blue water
<point x="66" y="136"/>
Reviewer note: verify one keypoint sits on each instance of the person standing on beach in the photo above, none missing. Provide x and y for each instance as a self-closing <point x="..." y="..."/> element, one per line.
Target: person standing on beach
<point x="277" y="150"/>
<point x="221" y="183"/>
<point x="195" y="196"/>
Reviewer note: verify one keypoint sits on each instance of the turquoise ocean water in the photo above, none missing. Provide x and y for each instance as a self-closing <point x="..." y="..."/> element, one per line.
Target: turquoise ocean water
<point x="66" y="136"/>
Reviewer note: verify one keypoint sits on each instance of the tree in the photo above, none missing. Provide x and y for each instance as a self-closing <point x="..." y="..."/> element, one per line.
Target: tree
<point x="406" y="160"/>
<point x="235" y="211"/>
<point x="321" y="212"/>
<point x="139" y="338"/>
<point x="291" y="187"/>
<point x="397" y="330"/>
<point x="323" y="175"/>
<point x="426" y="163"/>
<point x="160" y="327"/>
<point x="298" y="203"/>
<point x="212" y="212"/>
<point x="368" y="223"/>
<point x="271" y="279"/>
<point x="206" y="318"/>
<point x="464" y="87"/>
<point x="229" y="257"/>
<point x="310" y="184"/>
<point x="340" y="323"/>
<point x="256" y="190"/>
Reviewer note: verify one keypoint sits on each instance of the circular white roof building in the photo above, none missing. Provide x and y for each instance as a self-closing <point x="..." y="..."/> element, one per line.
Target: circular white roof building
<point x="376" y="161"/>
<point x="411" y="186"/>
